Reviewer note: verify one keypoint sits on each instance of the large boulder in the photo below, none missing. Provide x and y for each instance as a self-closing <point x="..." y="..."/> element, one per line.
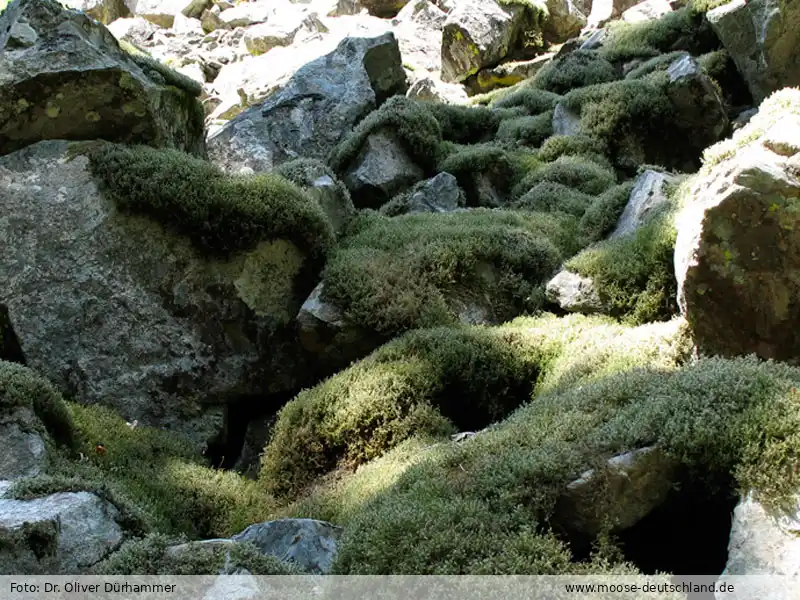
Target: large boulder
<point x="737" y="253"/>
<point x="64" y="533"/>
<point x="158" y="12"/>
<point x="648" y="196"/>
<point x="385" y="9"/>
<point x="574" y="293"/>
<point x="116" y="309"/>
<point x="418" y="28"/>
<point x="565" y="19"/>
<point x="319" y="105"/>
<point x="762" y="37"/>
<point x="24" y="447"/>
<point x="310" y="545"/>
<point x="282" y="30"/>
<point x="64" y="76"/>
<point x="104" y="11"/>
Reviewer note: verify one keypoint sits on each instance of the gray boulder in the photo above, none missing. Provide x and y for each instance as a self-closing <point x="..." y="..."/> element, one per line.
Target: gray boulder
<point x="318" y="106"/>
<point x="104" y="11"/>
<point x="762" y="37"/>
<point x="565" y="19"/>
<point x="64" y="533"/>
<point x="737" y="251"/>
<point x="385" y="9"/>
<point x="418" y="28"/>
<point x="69" y="79"/>
<point x="115" y="309"/>
<point x="432" y="89"/>
<point x="573" y="293"/>
<point x="309" y="544"/>
<point x="435" y="195"/>
<point x="158" y="12"/>
<point x="24" y="447"/>
<point x="282" y="31"/>
<point x="648" y="196"/>
<point x="565" y="121"/>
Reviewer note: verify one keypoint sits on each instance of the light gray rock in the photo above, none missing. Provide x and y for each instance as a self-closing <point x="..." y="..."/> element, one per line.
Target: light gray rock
<point x="309" y="544"/>
<point x="63" y="533"/>
<point x="648" y="196"/>
<point x="105" y="11"/>
<point x="762" y="37"/>
<point x="385" y="9"/>
<point x="245" y="14"/>
<point x="604" y="10"/>
<point x="24" y="449"/>
<point x="565" y="19"/>
<point x="649" y="10"/>
<point x="565" y="122"/>
<point x="743" y="118"/>
<point x="418" y="28"/>
<point x="438" y="194"/>
<point x="158" y="12"/>
<point x="507" y="74"/>
<point x="282" y="31"/>
<point x="381" y="170"/>
<point x="432" y="89"/>
<point x="762" y="542"/>
<point x="318" y="106"/>
<point x="630" y="486"/>
<point x="736" y="254"/>
<point x="573" y="293"/>
<point x="115" y="309"/>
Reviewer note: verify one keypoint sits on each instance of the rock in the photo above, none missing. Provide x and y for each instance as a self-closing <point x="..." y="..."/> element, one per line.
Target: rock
<point x="117" y="310"/>
<point x="418" y="28"/>
<point x="136" y="30"/>
<point x="309" y="544"/>
<point x="604" y="10"/>
<point x="649" y="194"/>
<point x="435" y="195"/>
<point x="566" y="19"/>
<point x="64" y="533"/>
<point x="565" y="121"/>
<point x="506" y="74"/>
<point x="630" y="487"/>
<point x="158" y="12"/>
<point x="385" y="9"/>
<point x="290" y="27"/>
<point x="319" y="105"/>
<point x="762" y="37"/>
<point x="743" y="118"/>
<point x="736" y="255"/>
<point x="24" y="449"/>
<point x="429" y="88"/>
<point x="316" y="312"/>
<point x="649" y="10"/>
<point x="245" y="14"/>
<point x="94" y="90"/>
<point x="574" y="293"/>
<point x="761" y="543"/>
<point x="478" y="34"/>
<point x="104" y="11"/>
<point x="381" y="170"/>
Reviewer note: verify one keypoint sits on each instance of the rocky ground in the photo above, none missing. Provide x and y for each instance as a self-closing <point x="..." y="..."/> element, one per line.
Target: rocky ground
<point x="387" y="287"/>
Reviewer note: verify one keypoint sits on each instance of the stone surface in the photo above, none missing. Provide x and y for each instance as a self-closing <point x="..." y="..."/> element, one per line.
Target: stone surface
<point x="290" y="27"/>
<point x="648" y="10"/>
<point x="629" y="488"/>
<point x="319" y="105"/>
<point x="601" y="11"/>
<point x="24" y="451"/>
<point x="309" y="544"/>
<point x="736" y="255"/>
<point x="565" y="121"/>
<point x="75" y="82"/>
<point x="158" y="12"/>
<point x="438" y="194"/>
<point x="385" y="9"/>
<point x="63" y="533"/>
<point x="649" y="194"/>
<point x="432" y="89"/>
<point x="104" y="11"/>
<point x="381" y="169"/>
<point x="115" y="309"/>
<point x="573" y="293"/>
<point x="565" y="19"/>
<point x="506" y="74"/>
<point x="418" y="28"/>
<point x="762" y="37"/>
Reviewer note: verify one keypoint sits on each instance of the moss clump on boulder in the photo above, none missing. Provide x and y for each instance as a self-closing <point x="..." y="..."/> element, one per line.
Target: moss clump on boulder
<point x="409" y="120"/>
<point x="572" y="171"/>
<point x="476" y="164"/>
<point x="548" y="196"/>
<point x="634" y="275"/>
<point x="466" y="124"/>
<point x="21" y="387"/>
<point x="574" y="145"/>
<point x="423" y="270"/>
<point x="575" y="70"/>
<point x="533" y="100"/>
<point x="602" y="215"/>
<point x="527" y="131"/>
<point x="221" y="213"/>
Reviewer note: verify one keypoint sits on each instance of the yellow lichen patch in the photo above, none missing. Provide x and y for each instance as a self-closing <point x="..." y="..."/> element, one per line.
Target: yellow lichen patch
<point x="92" y="116"/>
<point x="52" y="111"/>
<point x="136" y="108"/>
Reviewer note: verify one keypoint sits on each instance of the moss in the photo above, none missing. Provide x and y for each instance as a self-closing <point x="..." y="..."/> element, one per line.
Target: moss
<point x="533" y="100"/>
<point x="634" y="275"/>
<point x="547" y="196"/>
<point x="658" y="63"/>
<point x="677" y="30"/>
<point x="421" y="270"/>
<point x="528" y="131"/>
<point x="466" y="124"/>
<point x="151" y="556"/>
<point x="22" y="387"/>
<point x="160" y="472"/>
<point x="220" y="213"/>
<point x="467" y="162"/>
<point x="700" y="7"/>
<point x="602" y="215"/>
<point x="575" y="70"/>
<point x="409" y="120"/>
<point x="572" y="171"/>
<point x="160" y="72"/>
<point x="590" y="148"/>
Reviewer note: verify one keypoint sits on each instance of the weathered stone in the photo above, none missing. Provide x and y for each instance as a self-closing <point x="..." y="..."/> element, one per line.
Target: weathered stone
<point x="429" y="88"/>
<point x="565" y="19"/>
<point x="380" y="170"/>
<point x="604" y="10"/>
<point x="762" y="37"/>
<point x="283" y="31"/>
<point x="76" y="83"/>
<point x="743" y="118"/>
<point x="63" y="533"/>
<point x="648" y="196"/>
<point x="104" y="11"/>
<point x="385" y="9"/>
<point x="309" y="544"/>
<point x="506" y="74"/>
<point x="248" y="13"/>
<point x="24" y="450"/>
<point x="116" y="309"/>
<point x="418" y="28"/>
<point x="158" y="12"/>
<point x="319" y="105"/>
<point x="649" y="10"/>
<point x="737" y="251"/>
<point x="435" y="195"/>
<point x="565" y="122"/>
<point x="573" y="293"/>
<point x="762" y="542"/>
<point x="626" y="490"/>
<point x="136" y="30"/>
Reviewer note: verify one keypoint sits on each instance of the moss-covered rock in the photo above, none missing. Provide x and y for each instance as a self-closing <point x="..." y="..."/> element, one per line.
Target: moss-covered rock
<point x="572" y="171"/>
<point x="575" y="70"/>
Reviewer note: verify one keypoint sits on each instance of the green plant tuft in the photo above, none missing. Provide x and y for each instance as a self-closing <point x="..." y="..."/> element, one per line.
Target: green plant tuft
<point x="572" y="171"/>
<point x="575" y="70"/>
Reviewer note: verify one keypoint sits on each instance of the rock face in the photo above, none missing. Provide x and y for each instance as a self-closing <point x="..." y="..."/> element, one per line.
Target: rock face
<point x="24" y="450"/>
<point x="649" y="194"/>
<point x="61" y="533"/>
<point x="762" y="37"/>
<point x="761" y="543"/>
<point x="565" y="19"/>
<point x="633" y="485"/>
<point x="158" y="12"/>
<point x="309" y="544"/>
<point x="67" y="78"/>
<point x="114" y="309"/>
<point x="381" y="170"/>
<point x="435" y="195"/>
<point x="573" y="293"/>
<point x="736" y="256"/>
<point x="104" y="11"/>
<point x="319" y="105"/>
